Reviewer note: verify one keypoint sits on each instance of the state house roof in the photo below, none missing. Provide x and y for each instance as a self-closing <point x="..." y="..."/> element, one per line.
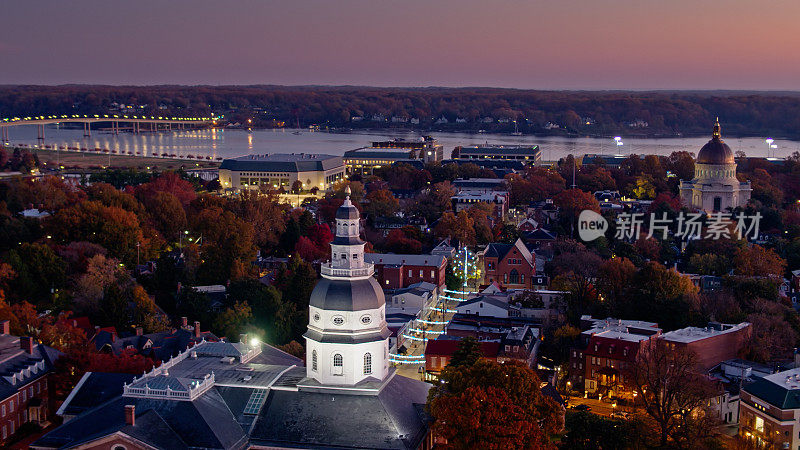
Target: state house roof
<point x="255" y="403"/>
<point x="283" y="162"/>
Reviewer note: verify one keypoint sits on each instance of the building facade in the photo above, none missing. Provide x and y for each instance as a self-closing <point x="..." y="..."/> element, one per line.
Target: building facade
<point x="528" y="154"/>
<point x="395" y="271"/>
<point x="385" y="153"/>
<point x="715" y="186"/>
<point x="25" y="385"/>
<point x="281" y="171"/>
<point x="512" y="266"/>
<point x="769" y="410"/>
<point x="712" y="344"/>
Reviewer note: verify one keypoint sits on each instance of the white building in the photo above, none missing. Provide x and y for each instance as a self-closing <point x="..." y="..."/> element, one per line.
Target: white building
<point x="347" y="339"/>
<point x="715" y="186"/>
<point x="281" y="170"/>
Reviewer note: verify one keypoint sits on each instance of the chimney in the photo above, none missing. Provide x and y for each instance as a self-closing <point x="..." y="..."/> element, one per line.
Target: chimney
<point x="139" y="331"/>
<point x="243" y="338"/>
<point x="184" y="322"/>
<point x="5" y="327"/>
<point x="130" y="415"/>
<point x="196" y="328"/>
<point x="26" y="343"/>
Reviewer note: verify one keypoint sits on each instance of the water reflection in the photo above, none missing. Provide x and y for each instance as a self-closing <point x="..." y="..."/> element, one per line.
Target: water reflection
<point x="231" y="142"/>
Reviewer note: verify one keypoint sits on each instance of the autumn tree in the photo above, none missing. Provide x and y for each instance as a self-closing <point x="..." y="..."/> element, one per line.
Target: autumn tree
<point x="755" y="260"/>
<point x="491" y="405"/>
<point x="381" y="203"/>
<point x="112" y="227"/>
<point x="571" y="202"/>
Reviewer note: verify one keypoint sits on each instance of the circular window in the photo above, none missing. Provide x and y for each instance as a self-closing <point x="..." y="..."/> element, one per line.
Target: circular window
<point x="338" y="320"/>
<point x="366" y="319"/>
<point x="316" y="317"/>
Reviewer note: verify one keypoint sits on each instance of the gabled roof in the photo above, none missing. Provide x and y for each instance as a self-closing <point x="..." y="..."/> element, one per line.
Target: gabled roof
<point x="499" y="250"/>
<point x="494" y="301"/>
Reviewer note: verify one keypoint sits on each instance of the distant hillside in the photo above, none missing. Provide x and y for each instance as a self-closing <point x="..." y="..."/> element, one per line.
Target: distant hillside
<point x="602" y="113"/>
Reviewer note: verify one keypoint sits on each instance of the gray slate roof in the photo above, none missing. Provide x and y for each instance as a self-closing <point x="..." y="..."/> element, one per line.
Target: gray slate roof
<point x="283" y="162"/>
<point x="347" y="295"/>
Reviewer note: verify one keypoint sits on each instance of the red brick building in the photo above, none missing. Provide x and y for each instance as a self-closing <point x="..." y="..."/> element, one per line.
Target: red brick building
<point x="401" y="271"/>
<point x="713" y="344"/>
<point x="25" y="368"/>
<point x="439" y="352"/>
<point x="513" y="266"/>
<point x="608" y="347"/>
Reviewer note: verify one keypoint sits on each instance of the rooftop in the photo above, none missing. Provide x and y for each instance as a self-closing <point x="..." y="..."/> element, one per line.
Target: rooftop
<point x="781" y="389"/>
<point x="694" y="334"/>
<point x="283" y="162"/>
<point x="253" y="398"/>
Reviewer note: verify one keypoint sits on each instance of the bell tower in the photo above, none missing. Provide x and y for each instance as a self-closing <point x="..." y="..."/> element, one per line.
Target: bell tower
<point x="347" y="340"/>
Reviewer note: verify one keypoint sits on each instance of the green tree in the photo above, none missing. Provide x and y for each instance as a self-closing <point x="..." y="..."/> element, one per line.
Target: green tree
<point x="39" y="273"/>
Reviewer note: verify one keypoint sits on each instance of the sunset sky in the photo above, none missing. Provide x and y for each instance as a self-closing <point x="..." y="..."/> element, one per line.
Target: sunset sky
<point x="555" y="44"/>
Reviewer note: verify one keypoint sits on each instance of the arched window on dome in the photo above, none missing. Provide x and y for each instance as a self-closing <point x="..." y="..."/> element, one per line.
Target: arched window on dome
<point x="338" y="364"/>
<point x="314" y="360"/>
<point x="367" y="363"/>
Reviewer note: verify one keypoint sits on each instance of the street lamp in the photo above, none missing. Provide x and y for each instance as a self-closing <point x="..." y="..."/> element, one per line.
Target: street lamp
<point x="769" y="142"/>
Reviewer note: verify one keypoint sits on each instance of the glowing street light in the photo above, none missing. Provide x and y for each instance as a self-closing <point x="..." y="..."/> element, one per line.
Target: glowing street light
<point x="769" y="142"/>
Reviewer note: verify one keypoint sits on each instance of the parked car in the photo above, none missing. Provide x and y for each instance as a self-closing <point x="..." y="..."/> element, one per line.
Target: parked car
<point x="582" y="407"/>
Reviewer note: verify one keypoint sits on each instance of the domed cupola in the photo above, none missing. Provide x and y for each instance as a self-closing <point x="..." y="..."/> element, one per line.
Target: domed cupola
<point x="716" y="151"/>
<point x="347" y="337"/>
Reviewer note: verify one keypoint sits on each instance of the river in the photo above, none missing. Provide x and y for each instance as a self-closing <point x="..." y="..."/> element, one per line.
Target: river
<point x="227" y="143"/>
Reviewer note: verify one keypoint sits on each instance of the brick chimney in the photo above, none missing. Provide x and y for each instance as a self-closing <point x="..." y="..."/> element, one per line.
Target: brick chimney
<point x="130" y="415"/>
<point x="184" y="322"/>
<point x="139" y="331"/>
<point x="26" y="343"/>
<point x="5" y="327"/>
<point x="243" y="338"/>
<point x="196" y="328"/>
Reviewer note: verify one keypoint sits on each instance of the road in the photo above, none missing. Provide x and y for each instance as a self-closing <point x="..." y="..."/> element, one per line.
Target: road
<point x="600" y="408"/>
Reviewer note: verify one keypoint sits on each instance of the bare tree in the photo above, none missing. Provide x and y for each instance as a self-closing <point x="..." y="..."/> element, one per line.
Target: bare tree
<point x="674" y="393"/>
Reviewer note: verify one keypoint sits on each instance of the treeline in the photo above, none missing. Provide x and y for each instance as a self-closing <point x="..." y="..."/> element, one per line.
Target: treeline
<point x="463" y="109"/>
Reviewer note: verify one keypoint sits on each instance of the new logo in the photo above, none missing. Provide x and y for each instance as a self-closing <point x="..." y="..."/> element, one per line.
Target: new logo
<point x="591" y="225"/>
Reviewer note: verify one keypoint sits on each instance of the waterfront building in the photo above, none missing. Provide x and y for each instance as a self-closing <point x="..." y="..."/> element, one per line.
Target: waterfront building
<point x="385" y="153"/>
<point x="715" y="186"/>
<point x="281" y="170"/>
<point x="528" y="154"/>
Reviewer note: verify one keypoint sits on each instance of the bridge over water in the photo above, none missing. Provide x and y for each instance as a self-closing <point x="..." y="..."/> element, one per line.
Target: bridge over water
<point x="132" y="123"/>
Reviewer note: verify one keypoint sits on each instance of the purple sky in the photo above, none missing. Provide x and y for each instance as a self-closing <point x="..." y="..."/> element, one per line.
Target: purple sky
<point x="543" y="44"/>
